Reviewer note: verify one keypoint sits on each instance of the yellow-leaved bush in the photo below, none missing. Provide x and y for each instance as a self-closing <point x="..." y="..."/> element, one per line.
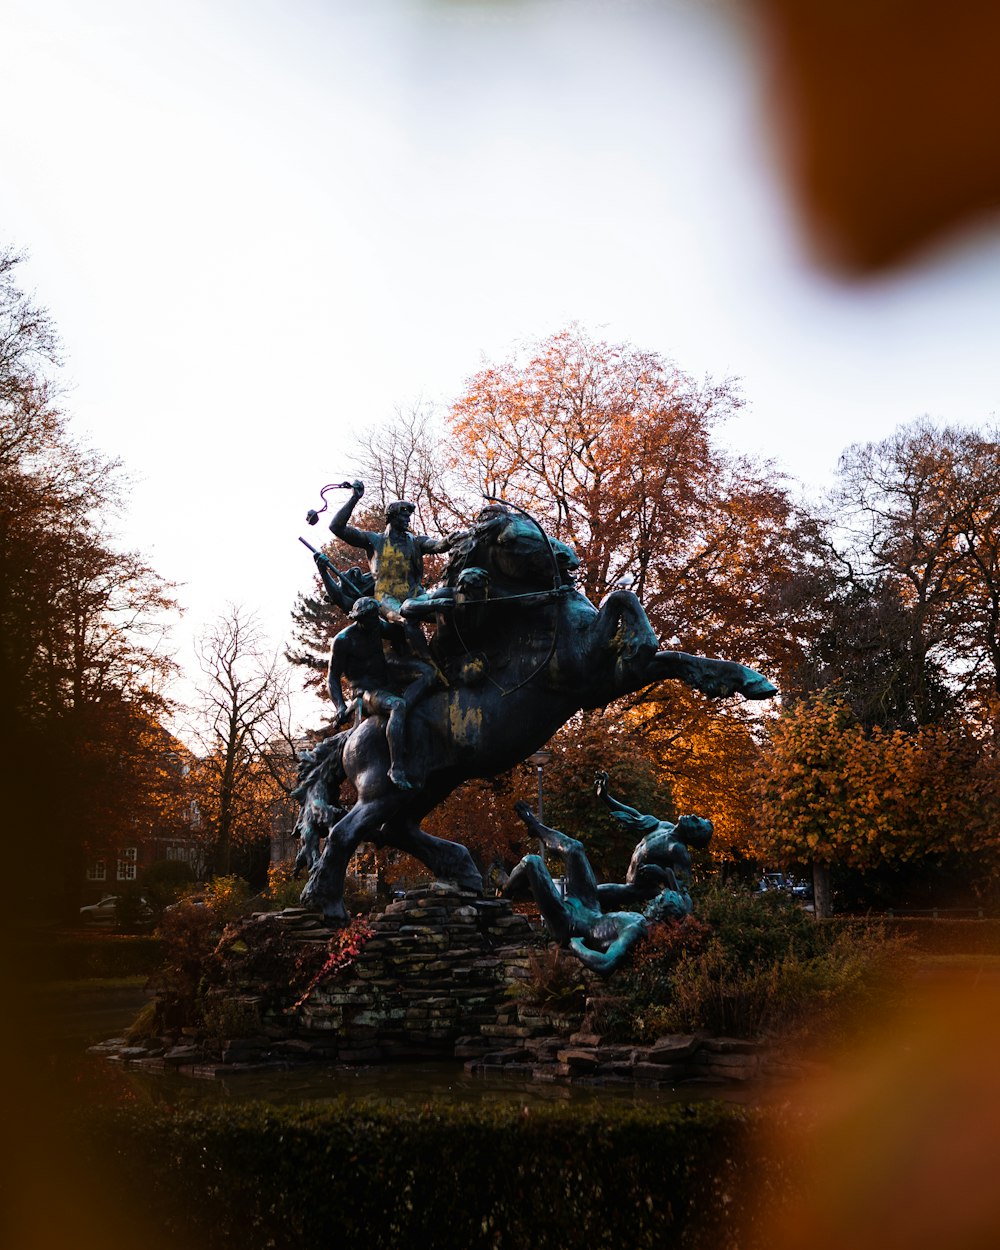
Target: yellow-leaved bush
<point x="833" y="792"/>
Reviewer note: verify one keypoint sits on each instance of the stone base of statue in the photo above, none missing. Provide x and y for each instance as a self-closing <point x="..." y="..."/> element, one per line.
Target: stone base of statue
<point x="438" y="968"/>
<point x="446" y="974"/>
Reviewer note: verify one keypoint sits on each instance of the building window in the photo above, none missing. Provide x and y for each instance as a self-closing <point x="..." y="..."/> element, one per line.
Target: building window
<point x="98" y="870"/>
<point x="127" y="864"/>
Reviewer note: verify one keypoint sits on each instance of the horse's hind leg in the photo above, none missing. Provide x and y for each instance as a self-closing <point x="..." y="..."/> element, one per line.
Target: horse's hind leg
<point x="449" y="861"/>
<point x="621" y="625"/>
<point x="324" y="891"/>
<point x="715" y="678"/>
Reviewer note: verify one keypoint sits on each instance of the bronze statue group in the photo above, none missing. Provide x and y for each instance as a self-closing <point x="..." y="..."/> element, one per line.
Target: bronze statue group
<point x="383" y="666"/>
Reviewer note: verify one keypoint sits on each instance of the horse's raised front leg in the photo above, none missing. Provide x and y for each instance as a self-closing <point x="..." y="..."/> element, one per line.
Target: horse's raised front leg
<point x="324" y="891"/>
<point x="716" y="678"/>
<point x="448" y="861"/>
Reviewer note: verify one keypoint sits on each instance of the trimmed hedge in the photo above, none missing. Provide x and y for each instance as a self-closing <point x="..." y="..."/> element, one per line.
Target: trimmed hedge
<point x="95" y="955"/>
<point x="551" y="1177"/>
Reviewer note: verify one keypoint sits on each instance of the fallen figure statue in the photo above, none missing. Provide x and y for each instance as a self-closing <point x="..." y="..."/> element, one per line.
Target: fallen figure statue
<point x="600" y="939"/>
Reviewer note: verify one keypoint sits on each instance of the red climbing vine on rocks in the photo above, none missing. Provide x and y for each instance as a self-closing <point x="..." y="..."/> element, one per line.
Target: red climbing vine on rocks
<point x="345" y="946"/>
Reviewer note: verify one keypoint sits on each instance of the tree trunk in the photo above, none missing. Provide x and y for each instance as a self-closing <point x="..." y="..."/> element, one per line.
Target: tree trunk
<point x="821" y="890"/>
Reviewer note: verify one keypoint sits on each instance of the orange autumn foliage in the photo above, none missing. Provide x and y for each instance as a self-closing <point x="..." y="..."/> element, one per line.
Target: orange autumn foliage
<point x="833" y="792"/>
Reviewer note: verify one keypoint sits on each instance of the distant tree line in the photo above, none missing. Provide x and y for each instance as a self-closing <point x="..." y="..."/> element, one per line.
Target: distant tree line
<point x="86" y="759"/>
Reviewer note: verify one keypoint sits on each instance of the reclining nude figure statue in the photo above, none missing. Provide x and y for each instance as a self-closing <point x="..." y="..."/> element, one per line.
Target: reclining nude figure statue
<point x="583" y="920"/>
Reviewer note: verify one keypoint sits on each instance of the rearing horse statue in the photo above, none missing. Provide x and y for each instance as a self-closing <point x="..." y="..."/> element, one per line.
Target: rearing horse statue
<point x="521" y="650"/>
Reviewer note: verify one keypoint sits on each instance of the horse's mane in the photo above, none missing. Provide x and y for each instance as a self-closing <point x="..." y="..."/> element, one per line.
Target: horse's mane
<point x="479" y="532"/>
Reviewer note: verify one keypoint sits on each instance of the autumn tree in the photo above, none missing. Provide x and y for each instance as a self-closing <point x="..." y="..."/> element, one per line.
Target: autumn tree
<point x="708" y="758"/>
<point x="920" y="512"/>
<point x="245" y="765"/>
<point x="899" y="671"/>
<point x="82" y="668"/>
<point x="614" y="450"/>
<point x="835" y="793"/>
<point x="857" y="640"/>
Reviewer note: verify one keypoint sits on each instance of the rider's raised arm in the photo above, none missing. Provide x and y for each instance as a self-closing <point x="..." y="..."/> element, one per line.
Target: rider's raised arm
<point x="348" y="533"/>
<point x="621" y="811"/>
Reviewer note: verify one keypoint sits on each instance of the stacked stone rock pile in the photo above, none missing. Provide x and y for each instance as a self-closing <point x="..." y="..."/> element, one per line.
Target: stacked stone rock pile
<point x="586" y="1058"/>
<point x="441" y="977"/>
<point x="438" y="966"/>
<point x="296" y="923"/>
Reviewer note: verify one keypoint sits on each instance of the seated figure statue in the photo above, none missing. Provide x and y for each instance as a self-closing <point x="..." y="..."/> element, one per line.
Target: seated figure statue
<point x="662" y="856"/>
<point x="600" y="939"/>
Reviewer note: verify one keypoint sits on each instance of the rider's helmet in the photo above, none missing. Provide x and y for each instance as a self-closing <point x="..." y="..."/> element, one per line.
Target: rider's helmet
<point x="364" y="607"/>
<point x="401" y="508"/>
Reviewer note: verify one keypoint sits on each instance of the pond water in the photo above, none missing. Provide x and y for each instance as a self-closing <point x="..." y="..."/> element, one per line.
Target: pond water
<point x="416" y="1083"/>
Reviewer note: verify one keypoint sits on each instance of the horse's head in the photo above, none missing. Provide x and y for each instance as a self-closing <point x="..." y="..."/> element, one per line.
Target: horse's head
<point x="517" y="554"/>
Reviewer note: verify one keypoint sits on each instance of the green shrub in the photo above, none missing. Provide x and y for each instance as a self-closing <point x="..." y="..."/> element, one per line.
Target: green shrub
<point x="164" y="881"/>
<point x="752" y="965"/>
<point x="759" y="928"/>
<point x="225" y="983"/>
<point x="282" y="890"/>
<point x="228" y="898"/>
<point x="496" y="1177"/>
<point x="554" y="980"/>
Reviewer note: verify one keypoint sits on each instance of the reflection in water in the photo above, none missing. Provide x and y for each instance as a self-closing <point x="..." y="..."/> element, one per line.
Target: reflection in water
<point x="443" y="1081"/>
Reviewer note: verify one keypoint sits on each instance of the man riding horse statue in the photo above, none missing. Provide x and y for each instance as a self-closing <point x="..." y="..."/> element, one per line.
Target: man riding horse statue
<point x="517" y="650"/>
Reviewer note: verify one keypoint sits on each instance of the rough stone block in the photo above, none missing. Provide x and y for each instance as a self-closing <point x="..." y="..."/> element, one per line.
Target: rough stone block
<point x="178" y="1055"/>
<point x="744" y="1062"/>
<point x="731" y="1046"/>
<point x="673" y="1047"/>
<point x="585" y="1039"/>
<point x="577" y="1059"/>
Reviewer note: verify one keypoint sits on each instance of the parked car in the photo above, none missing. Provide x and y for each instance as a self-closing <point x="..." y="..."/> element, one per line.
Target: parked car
<point x="188" y="900"/>
<point x="106" y="911"/>
<point x="800" y="890"/>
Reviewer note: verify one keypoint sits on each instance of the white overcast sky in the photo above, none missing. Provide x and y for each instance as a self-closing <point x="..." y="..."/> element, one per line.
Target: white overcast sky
<point x="261" y="226"/>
